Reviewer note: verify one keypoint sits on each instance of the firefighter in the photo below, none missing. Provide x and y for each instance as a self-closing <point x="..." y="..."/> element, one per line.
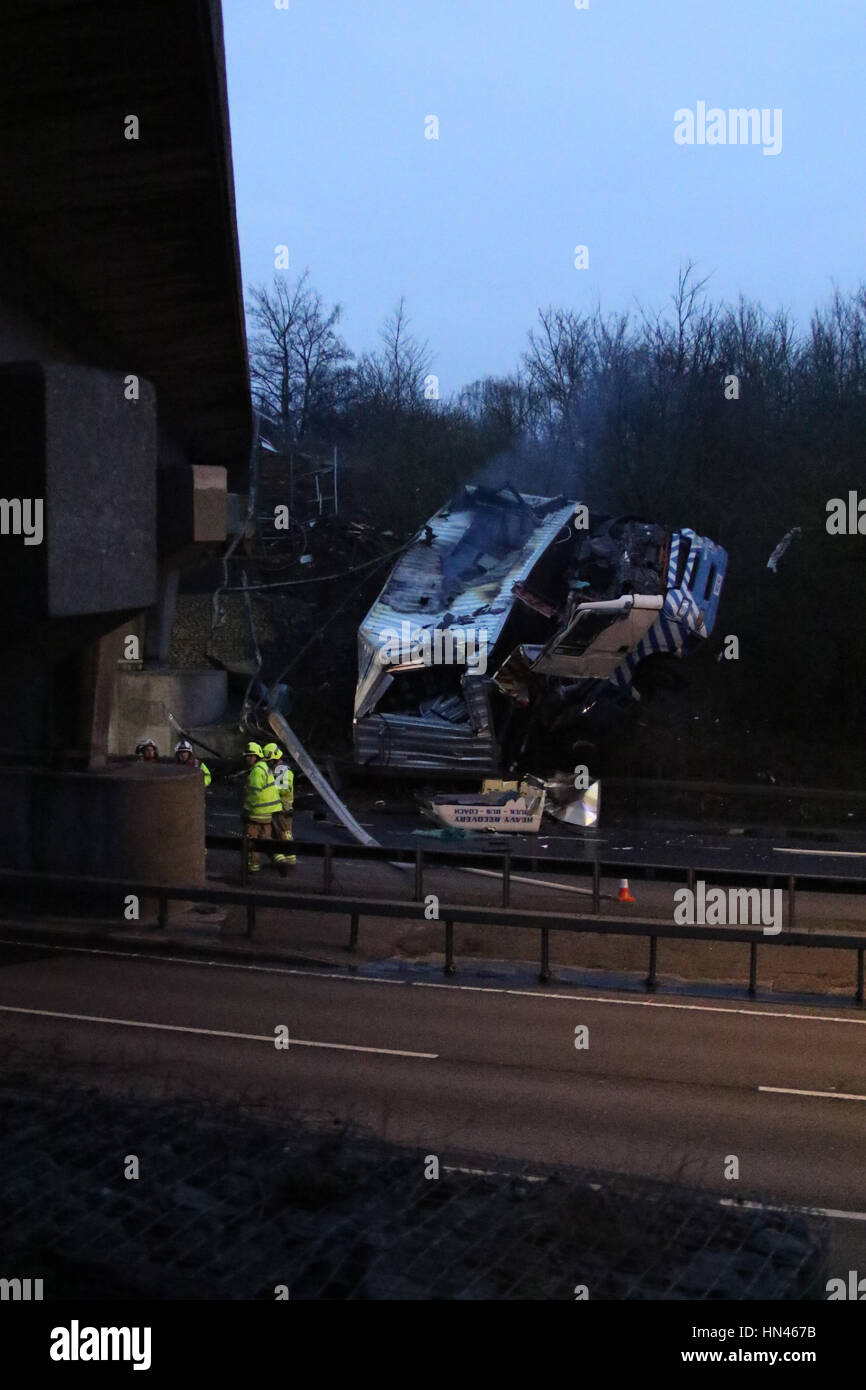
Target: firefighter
<point x="261" y="803"/>
<point x="146" y="751"/>
<point x="184" y="754"/>
<point x="284" y="780"/>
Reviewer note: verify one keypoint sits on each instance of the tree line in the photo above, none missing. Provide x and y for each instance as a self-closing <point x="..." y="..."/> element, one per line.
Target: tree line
<point x="727" y="418"/>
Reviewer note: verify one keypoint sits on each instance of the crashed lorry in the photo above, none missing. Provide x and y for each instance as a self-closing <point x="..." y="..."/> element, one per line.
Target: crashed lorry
<point x="514" y="626"/>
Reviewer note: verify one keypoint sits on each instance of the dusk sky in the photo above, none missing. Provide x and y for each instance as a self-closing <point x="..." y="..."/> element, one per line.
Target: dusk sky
<point x="556" y="129"/>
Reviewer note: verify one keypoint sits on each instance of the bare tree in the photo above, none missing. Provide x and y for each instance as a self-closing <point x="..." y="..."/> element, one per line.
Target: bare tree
<point x="502" y="406"/>
<point x="297" y="357"/>
<point x="395" y="376"/>
<point x="558" y="362"/>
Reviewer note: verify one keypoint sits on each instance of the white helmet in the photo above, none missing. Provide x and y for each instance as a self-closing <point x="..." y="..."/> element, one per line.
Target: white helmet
<point x="183" y="745"/>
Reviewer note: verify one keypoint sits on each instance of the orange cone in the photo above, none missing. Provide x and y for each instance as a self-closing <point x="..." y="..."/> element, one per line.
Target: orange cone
<point x="624" y="894"/>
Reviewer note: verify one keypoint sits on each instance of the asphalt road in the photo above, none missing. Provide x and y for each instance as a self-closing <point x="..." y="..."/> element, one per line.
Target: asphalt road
<point x="665" y="1088"/>
<point x="829" y="853"/>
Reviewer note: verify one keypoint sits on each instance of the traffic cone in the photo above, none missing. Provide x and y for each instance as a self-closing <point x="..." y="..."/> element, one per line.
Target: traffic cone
<point x="624" y="894"/>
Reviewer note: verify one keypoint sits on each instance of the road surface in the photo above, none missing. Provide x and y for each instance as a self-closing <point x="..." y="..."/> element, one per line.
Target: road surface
<point x="666" y="1088"/>
<point x="833" y="853"/>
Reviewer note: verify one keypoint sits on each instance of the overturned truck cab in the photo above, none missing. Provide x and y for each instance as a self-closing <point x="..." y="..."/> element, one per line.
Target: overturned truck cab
<point x="514" y="627"/>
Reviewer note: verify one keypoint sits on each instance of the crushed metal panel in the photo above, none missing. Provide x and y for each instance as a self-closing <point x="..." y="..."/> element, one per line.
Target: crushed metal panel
<point x="387" y="740"/>
<point x="373" y="679"/>
<point x="518" y="574"/>
<point x="476" y="690"/>
<point x="598" y="637"/>
<point x="427" y="589"/>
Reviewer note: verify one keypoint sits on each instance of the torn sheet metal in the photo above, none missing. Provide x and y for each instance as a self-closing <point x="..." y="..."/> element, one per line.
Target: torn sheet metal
<point x="789" y="536"/>
<point x="581" y="808"/>
<point x="513" y="622"/>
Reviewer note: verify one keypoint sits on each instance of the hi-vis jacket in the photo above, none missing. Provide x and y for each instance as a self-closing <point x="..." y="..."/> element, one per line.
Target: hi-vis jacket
<point x="261" y="800"/>
<point x="285" y="782"/>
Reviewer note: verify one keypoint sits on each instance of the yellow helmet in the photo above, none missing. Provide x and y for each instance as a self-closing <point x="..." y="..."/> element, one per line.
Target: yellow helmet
<point x="255" y="749"/>
<point x="272" y="752"/>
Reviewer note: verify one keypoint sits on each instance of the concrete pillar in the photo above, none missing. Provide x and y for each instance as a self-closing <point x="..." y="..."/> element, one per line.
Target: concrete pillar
<point x="134" y="820"/>
<point x="99" y="667"/>
<point x="160" y="620"/>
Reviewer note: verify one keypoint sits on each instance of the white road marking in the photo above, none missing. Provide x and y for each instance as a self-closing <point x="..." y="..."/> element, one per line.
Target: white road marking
<point x="823" y="1095"/>
<point x="217" y="1033"/>
<point x="540" y="993"/>
<point x="637" y="1003"/>
<point x="194" y="960"/>
<point x="494" y="1173"/>
<point x="575" y="840"/>
<point x="534" y="882"/>
<point x="802" y="1211"/>
<point x="722" y="1201"/>
<point x="825" y="853"/>
<point x="515" y="878"/>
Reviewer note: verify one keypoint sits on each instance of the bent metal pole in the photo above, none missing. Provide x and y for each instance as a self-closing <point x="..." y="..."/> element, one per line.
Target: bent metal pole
<point x="298" y="752"/>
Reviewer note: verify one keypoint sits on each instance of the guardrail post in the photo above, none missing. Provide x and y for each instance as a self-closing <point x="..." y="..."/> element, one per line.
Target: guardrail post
<point x="419" y="875"/>
<point x="162" y="918"/>
<point x="327" y="868"/>
<point x="753" y="967"/>
<point x="506" y="879"/>
<point x="245" y="853"/>
<point x="596" y="886"/>
<point x="251" y="918"/>
<point x="792" y="883"/>
<point x="651" y="981"/>
<point x="353" y="933"/>
<point x="690" y="880"/>
<point x="858" y="997"/>
<point x="449" y="949"/>
<point x="544" y="976"/>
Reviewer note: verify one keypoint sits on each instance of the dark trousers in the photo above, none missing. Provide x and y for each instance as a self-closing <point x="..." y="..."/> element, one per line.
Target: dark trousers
<point x="257" y="830"/>
<point x="281" y="822"/>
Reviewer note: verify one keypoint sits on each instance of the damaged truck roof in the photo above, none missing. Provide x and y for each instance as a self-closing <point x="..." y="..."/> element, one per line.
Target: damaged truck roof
<point x="513" y="621"/>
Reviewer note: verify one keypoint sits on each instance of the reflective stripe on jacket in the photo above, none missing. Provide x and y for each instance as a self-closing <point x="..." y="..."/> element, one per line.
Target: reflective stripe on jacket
<point x="261" y="800"/>
<point x="285" y="783"/>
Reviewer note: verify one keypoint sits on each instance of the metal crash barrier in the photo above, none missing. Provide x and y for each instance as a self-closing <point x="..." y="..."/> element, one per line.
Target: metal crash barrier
<point x="449" y="915"/>
<point x="508" y="863"/>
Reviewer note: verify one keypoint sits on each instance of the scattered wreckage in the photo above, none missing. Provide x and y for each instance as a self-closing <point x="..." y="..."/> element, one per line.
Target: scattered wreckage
<point x="514" y="626"/>
<point x="517" y="807"/>
<point x="513" y="807"/>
